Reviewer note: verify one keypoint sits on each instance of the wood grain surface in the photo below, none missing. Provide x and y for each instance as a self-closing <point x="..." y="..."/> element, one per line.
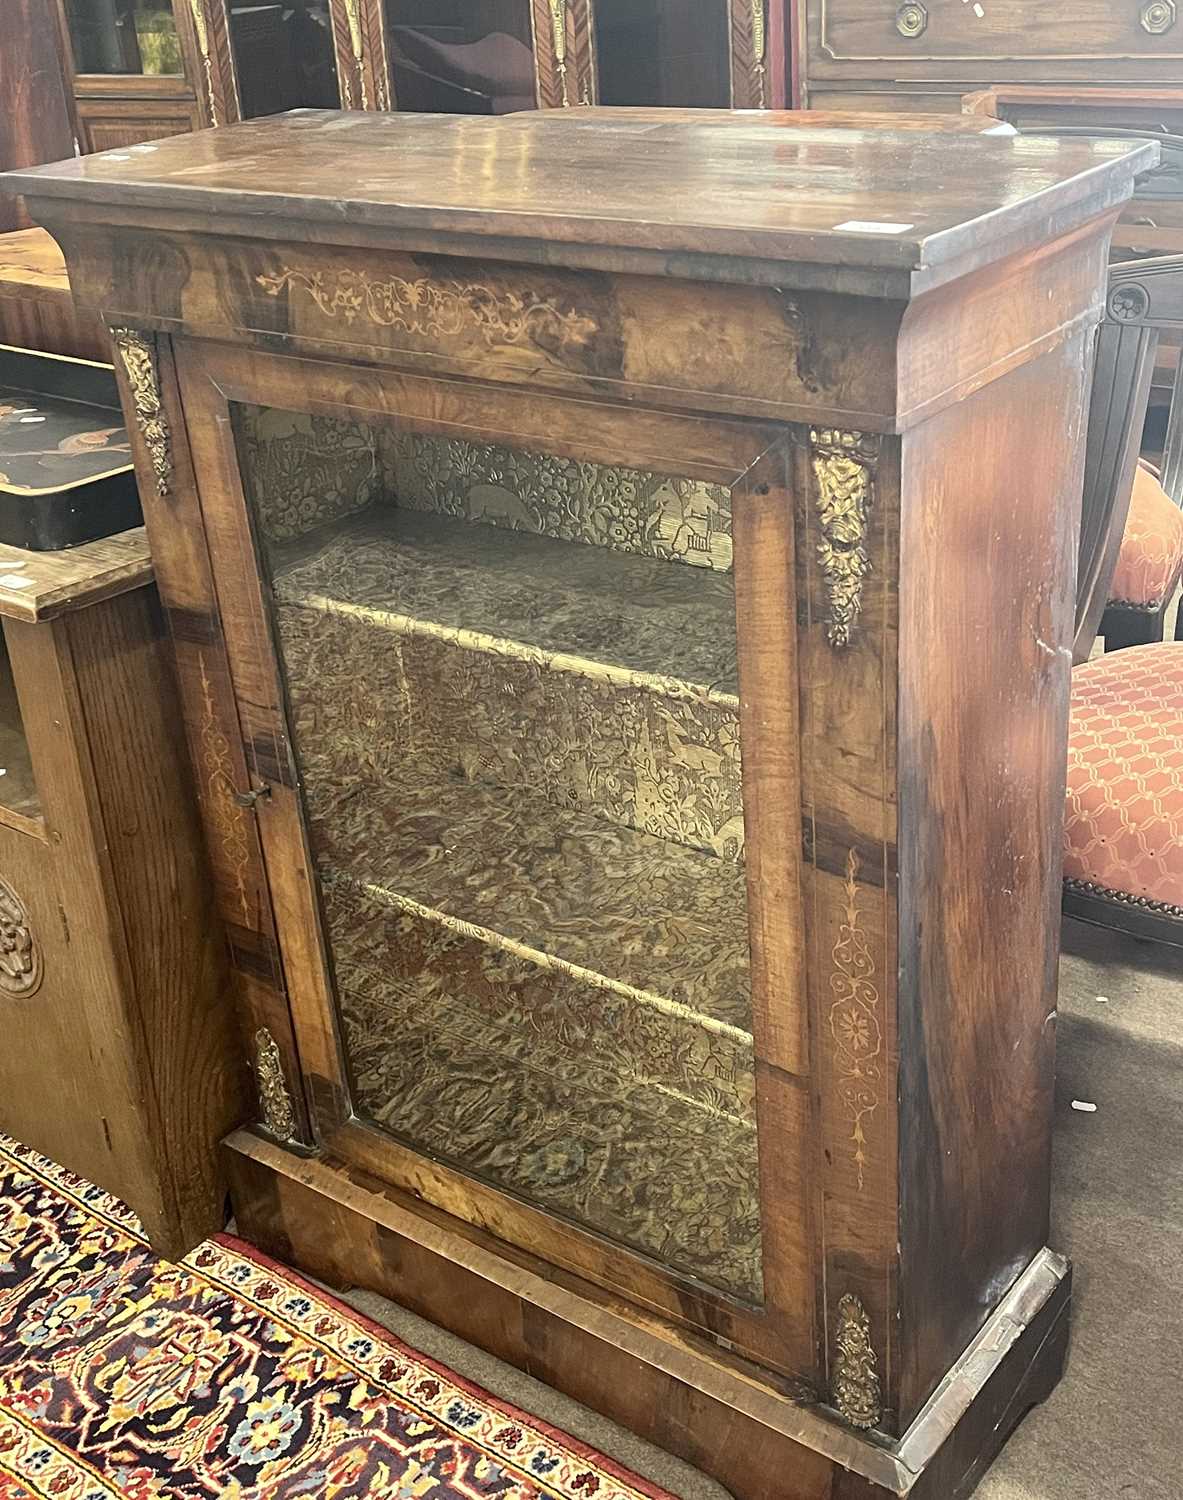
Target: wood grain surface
<point x="897" y="411"/>
<point x="682" y="186"/>
<point x="41" y="585"/>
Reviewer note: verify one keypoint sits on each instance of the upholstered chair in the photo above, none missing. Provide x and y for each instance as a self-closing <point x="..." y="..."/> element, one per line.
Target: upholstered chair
<point x="1149" y="566"/>
<point x="1123" y="840"/>
<point x="1150" y="562"/>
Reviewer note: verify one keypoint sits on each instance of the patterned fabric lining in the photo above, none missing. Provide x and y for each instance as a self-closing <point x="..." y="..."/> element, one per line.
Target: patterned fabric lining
<point x="512" y="683"/>
<point x="123" y="1377"/>
<point x="1124" y="827"/>
<point x="626" y="510"/>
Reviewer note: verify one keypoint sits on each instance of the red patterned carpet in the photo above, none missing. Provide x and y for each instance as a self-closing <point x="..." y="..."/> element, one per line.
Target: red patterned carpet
<point x="123" y="1377"/>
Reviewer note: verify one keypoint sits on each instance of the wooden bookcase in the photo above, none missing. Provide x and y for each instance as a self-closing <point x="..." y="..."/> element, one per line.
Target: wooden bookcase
<point x="142" y="69"/>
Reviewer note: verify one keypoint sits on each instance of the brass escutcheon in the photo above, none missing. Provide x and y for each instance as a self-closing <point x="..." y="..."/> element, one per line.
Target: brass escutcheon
<point x="911" y="19"/>
<point x="1158" y="16"/>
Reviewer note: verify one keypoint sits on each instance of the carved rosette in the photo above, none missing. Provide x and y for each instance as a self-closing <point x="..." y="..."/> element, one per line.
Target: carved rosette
<point x="843" y="470"/>
<point x="137" y="351"/>
<point x="20" y="952"/>
<point x="1129" y="302"/>
<point x="275" y="1103"/>
<point x="855" y="1387"/>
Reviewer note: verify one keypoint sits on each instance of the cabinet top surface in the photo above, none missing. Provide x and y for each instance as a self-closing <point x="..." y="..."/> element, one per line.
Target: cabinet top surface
<point x="40" y="585"/>
<point x="805" y="187"/>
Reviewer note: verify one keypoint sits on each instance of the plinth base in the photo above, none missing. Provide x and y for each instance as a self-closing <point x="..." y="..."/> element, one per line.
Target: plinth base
<point x="756" y="1440"/>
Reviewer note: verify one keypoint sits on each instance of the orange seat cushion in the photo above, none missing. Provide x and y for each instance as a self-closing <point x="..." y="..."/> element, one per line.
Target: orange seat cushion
<point x="1124" y="827"/>
<point x="1151" y="556"/>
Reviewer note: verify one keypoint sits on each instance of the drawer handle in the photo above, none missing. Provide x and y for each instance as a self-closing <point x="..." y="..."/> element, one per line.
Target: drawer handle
<point x="1158" y="16"/>
<point x="911" y="20"/>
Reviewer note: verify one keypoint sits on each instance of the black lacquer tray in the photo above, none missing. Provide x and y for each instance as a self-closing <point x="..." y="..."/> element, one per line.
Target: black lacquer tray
<point x="65" y="463"/>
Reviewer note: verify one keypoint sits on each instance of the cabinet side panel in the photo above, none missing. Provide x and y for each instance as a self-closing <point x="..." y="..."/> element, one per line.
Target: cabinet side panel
<point x="161" y="896"/>
<point x="71" y="1056"/>
<point x="847" y="541"/>
<point x="990" y="514"/>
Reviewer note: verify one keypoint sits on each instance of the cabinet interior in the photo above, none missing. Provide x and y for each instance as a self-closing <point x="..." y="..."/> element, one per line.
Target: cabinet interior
<point x="512" y="690"/>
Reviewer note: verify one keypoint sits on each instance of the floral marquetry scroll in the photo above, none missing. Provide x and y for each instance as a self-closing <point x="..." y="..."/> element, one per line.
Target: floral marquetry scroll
<point x="855" y="1023"/>
<point x="431" y="308"/>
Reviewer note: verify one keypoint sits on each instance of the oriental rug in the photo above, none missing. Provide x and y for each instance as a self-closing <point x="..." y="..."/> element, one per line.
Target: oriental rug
<point x="125" y="1377"/>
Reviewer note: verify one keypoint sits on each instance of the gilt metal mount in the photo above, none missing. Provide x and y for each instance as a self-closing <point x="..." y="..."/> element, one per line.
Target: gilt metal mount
<point x="855" y="1383"/>
<point x="275" y="1103"/>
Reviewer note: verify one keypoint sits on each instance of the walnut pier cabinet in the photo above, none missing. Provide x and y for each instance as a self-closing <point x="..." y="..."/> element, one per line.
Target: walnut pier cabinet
<point x="620" y="570"/>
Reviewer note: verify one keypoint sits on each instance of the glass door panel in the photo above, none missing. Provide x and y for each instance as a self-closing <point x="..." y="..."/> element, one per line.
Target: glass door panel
<point x="512" y="693"/>
<point x="18" y="790"/>
<point x="457" y="57"/>
<point x="283" y="56"/>
<point x="674" y="53"/>
<point x="124" y="36"/>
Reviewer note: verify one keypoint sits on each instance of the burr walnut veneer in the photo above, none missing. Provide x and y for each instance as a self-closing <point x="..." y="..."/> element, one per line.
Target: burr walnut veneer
<point x="621" y="574"/>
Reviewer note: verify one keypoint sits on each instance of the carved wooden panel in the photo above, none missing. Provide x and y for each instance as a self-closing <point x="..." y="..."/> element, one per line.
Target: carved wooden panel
<point x="109" y="124"/>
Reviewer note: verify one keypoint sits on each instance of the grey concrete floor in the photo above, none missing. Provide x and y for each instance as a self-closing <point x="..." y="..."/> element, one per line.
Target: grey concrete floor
<point x="1113" y="1430"/>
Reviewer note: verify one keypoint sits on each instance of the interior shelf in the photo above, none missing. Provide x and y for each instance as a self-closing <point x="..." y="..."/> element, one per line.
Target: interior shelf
<point x="574" y="1128"/>
<point x="520" y="765"/>
<point x="608" y="904"/>
<point x="581" y="608"/>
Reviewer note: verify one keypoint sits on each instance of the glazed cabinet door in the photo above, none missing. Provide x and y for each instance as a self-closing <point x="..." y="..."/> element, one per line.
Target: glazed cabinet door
<point x="491" y="57"/>
<point x="1094" y="41"/>
<point x="262" y="59"/>
<point x="515" y="679"/>
<point x="687" y="54"/>
<point x="136" y="69"/>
